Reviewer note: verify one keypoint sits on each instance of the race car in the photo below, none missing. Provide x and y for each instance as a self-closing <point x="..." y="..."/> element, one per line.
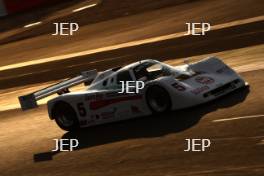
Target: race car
<point x="165" y="88"/>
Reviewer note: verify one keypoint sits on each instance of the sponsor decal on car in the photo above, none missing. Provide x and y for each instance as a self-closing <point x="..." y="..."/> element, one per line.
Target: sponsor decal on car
<point x="91" y="121"/>
<point x="108" y="114"/>
<point x="204" y="80"/>
<point x="102" y="103"/>
<point x="82" y="122"/>
<point x="178" y="87"/>
<point x="104" y="115"/>
<point x="200" y="90"/>
<point x="95" y="117"/>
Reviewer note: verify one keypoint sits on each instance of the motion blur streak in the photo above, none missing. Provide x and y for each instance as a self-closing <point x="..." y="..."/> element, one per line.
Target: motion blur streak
<point x="124" y="45"/>
<point x="33" y="24"/>
<point x="238" y="118"/>
<point x="84" y="7"/>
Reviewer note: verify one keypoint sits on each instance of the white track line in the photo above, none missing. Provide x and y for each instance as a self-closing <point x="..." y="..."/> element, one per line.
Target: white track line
<point x="84" y="7"/>
<point x="238" y="118"/>
<point x="33" y="24"/>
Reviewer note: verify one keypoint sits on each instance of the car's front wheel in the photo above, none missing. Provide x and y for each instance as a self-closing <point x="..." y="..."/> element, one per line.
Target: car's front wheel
<point x="65" y="116"/>
<point x="158" y="99"/>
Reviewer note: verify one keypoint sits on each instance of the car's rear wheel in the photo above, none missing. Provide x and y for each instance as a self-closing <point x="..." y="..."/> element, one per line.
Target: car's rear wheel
<point x="158" y="99"/>
<point x="65" y="116"/>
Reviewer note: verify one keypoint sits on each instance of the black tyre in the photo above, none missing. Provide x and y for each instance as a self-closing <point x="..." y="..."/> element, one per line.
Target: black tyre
<point x="158" y="99"/>
<point x="65" y="116"/>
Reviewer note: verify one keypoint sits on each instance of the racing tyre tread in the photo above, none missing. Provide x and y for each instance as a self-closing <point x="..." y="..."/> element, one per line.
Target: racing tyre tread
<point x="158" y="99"/>
<point x="63" y="110"/>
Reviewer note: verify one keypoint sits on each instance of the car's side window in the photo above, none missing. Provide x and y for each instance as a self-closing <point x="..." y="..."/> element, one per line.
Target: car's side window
<point x="105" y="82"/>
<point x="123" y="76"/>
<point x="109" y="82"/>
<point x="112" y="80"/>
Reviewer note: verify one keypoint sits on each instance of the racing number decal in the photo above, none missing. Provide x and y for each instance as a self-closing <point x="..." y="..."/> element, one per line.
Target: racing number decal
<point x="204" y="80"/>
<point x="179" y="87"/>
<point x="81" y="109"/>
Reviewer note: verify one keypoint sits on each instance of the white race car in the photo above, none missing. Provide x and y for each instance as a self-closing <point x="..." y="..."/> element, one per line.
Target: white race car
<point x="165" y="88"/>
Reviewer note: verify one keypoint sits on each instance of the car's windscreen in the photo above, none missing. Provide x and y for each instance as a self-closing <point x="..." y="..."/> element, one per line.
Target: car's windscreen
<point x="124" y="76"/>
<point x="149" y="71"/>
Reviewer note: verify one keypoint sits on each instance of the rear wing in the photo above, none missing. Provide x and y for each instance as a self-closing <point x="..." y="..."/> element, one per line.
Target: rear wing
<point x="29" y="101"/>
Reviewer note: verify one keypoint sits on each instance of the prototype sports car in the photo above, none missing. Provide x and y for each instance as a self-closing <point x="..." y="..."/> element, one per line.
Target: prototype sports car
<point x="164" y="88"/>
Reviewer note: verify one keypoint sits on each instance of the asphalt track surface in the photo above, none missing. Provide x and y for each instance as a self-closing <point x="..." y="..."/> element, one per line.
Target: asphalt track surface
<point x="151" y="145"/>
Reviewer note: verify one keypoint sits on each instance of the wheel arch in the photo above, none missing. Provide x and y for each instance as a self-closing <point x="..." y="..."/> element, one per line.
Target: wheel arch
<point x="53" y="105"/>
<point x="162" y="86"/>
